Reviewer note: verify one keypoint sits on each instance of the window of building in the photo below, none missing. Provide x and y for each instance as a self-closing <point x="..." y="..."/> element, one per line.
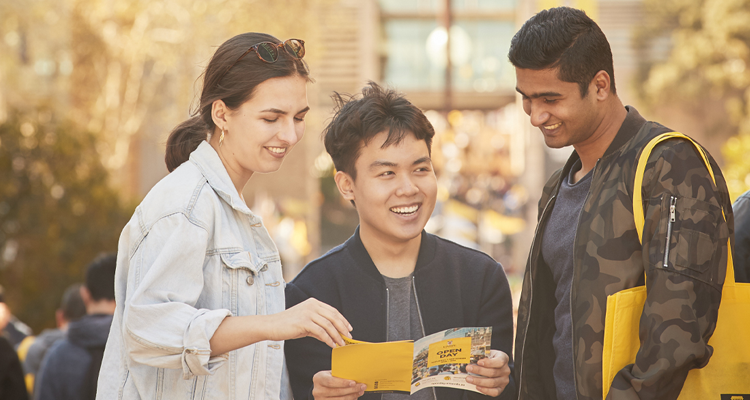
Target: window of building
<point x="414" y="48"/>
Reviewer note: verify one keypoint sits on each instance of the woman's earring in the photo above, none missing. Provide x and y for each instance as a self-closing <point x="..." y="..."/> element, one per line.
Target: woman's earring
<point x="221" y="138"/>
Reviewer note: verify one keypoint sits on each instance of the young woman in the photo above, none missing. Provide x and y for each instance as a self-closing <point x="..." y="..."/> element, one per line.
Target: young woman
<point x="199" y="291"/>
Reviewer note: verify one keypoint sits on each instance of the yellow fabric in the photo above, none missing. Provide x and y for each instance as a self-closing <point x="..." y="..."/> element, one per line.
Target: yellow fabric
<point x="29" y="379"/>
<point x="23" y="351"/>
<point x="23" y="347"/>
<point x="728" y="371"/>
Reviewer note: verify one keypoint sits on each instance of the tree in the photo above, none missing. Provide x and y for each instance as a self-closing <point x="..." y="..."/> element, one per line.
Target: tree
<point x="57" y="211"/>
<point x="110" y="70"/>
<point x="113" y="67"/>
<point x="709" y="62"/>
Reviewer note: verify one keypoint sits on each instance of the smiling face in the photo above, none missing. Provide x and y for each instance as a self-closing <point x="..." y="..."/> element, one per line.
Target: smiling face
<point x="395" y="189"/>
<point x="557" y="108"/>
<point x="263" y="130"/>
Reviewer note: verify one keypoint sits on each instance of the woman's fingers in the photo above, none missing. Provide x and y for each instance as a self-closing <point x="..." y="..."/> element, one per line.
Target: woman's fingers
<point x="340" y="324"/>
<point x="318" y="332"/>
<point x="323" y="322"/>
<point x="330" y="332"/>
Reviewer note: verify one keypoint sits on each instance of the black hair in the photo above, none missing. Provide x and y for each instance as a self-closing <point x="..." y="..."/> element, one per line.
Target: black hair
<point x="100" y="277"/>
<point x="357" y="121"/>
<point x="72" y="305"/>
<point x="232" y="81"/>
<point x="564" y="38"/>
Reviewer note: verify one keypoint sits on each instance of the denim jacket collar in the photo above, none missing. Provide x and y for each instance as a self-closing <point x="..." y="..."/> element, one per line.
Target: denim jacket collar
<point x="210" y="165"/>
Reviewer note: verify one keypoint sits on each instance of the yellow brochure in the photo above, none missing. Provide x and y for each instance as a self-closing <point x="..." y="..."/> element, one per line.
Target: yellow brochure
<point x="437" y="360"/>
<point x="381" y="366"/>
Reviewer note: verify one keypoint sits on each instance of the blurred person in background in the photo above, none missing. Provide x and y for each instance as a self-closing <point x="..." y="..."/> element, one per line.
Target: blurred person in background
<point x="12" y="385"/>
<point x="71" y="309"/>
<point x="11" y="328"/>
<point x="587" y="246"/>
<point x="199" y="288"/>
<point x="741" y="256"/>
<point x="70" y="368"/>
<point x="392" y="279"/>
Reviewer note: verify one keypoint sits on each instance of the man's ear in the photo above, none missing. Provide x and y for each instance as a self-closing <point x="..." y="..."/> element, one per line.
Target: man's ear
<point x="85" y="295"/>
<point x="60" y="319"/>
<point x="345" y="183"/>
<point x="219" y="111"/>
<point x="602" y="85"/>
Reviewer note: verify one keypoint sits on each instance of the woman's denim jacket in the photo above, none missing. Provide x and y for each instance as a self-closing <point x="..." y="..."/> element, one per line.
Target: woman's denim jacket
<point x="192" y="254"/>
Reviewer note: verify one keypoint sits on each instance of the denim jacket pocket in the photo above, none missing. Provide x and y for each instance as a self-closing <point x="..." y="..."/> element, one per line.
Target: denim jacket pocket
<point x="240" y="281"/>
<point x="242" y="259"/>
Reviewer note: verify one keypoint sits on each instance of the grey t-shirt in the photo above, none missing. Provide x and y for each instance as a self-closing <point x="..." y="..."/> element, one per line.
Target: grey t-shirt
<point x="404" y="324"/>
<point x="557" y="251"/>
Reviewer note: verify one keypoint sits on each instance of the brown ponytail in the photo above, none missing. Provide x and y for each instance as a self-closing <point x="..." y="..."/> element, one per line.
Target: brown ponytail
<point x="232" y="83"/>
<point x="183" y="140"/>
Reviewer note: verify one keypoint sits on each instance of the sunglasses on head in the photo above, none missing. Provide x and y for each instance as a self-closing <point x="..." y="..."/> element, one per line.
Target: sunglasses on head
<point x="269" y="51"/>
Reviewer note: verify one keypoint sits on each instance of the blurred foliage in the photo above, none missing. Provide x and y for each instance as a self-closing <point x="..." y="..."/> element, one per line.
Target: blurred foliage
<point x="709" y="61"/>
<point x="113" y="66"/>
<point x="57" y="212"/>
<point x="111" y="70"/>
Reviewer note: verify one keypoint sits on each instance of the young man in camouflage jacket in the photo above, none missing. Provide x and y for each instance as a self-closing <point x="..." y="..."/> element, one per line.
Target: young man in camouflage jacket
<point x="586" y="246"/>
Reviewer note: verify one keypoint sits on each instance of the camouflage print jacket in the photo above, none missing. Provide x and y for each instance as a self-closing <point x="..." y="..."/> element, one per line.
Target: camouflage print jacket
<point x="683" y="299"/>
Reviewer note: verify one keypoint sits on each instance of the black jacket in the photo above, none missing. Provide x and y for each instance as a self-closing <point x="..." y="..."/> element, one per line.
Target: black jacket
<point x="12" y="384"/>
<point x="741" y="249"/>
<point x="455" y="287"/>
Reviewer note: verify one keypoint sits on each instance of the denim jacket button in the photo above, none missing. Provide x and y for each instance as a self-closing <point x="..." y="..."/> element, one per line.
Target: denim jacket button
<point x="250" y="280"/>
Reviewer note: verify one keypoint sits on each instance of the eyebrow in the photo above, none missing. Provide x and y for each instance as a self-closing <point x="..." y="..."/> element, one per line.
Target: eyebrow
<point x="377" y="164"/>
<point x="282" y="112"/>
<point x="422" y="160"/>
<point x="538" y="95"/>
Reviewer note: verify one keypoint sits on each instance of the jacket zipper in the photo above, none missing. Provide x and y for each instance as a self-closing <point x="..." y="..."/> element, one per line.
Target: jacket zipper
<point x="416" y="300"/>
<point x="419" y="314"/>
<point x="387" y="311"/>
<point x="531" y="295"/>
<point x="387" y="317"/>
<point x="672" y="218"/>
<point x="572" y="287"/>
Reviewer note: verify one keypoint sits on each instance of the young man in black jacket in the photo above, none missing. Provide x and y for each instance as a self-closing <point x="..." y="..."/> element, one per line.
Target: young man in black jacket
<point x="391" y="279"/>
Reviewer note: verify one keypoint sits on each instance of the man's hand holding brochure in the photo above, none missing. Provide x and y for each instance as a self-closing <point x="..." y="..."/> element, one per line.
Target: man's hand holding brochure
<point x="458" y="358"/>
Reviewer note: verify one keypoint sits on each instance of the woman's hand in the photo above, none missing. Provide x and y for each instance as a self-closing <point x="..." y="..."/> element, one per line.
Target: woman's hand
<point x="311" y="318"/>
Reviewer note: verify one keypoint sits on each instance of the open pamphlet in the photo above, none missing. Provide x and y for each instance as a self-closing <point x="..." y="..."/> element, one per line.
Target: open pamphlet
<point x="437" y="360"/>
